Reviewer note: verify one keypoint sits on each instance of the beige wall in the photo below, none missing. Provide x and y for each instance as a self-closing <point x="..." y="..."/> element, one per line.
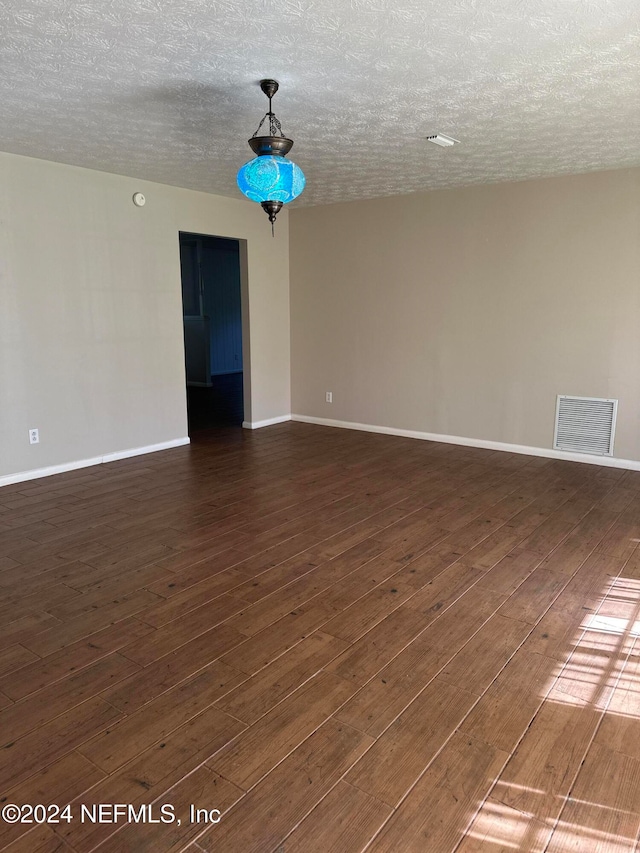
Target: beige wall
<point x="465" y="312"/>
<point x="91" y="347"/>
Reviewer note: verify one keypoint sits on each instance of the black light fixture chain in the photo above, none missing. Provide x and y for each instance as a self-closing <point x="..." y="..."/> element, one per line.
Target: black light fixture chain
<point x="275" y="128"/>
<point x="274" y="124"/>
<point x="270" y="87"/>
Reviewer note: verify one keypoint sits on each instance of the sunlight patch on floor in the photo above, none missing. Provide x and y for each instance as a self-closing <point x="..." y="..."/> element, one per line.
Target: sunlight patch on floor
<point x="599" y="675"/>
<point x="600" y="652"/>
<point x="505" y="828"/>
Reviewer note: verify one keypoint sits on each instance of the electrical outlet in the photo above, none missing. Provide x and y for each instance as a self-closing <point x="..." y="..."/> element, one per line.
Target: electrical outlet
<point x="329" y="397"/>
<point x="34" y="436"/>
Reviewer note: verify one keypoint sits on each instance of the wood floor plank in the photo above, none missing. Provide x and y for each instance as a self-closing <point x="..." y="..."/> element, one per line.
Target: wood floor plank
<point x="46" y="704"/>
<point x="267" y="814"/>
<point x="465" y="511"/>
<point x="571" y="553"/>
<point x="539" y="777"/>
<point x="556" y="528"/>
<point x="276" y="554"/>
<point x="279" y="576"/>
<point x="24" y="757"/>
<point x="58" y="665"/>
<point x="502" y="829"/>
<point x="603" y="812"/>
<point x="465" y="538"/>
<point x="319" y="507"/>
<point x="260" y="747"/>
<point x="268" y="610"/>
<point x="152" y="774"/>
<point x="168" y="638"/>
<point x="620" y="727"/>
<point x="184" y="578"/>
<point x="42" y="839"/>
<point x="497" y="545"/>
<point x="58" y="783"/>
<point x="25" y="627"/>
<point x="85" y="577"/>
<point x="364" y="658"/>
<point x="436" y="814"/>
<point x="557" y="630"/>
<point x="416" y="735"/>
<point x="88" y="624"/>
<point x="509" y="572"/>
<point x="333" y="546"/>
<point x="359" y="617"/>
<point x="344" y="821"/>
<point x="592" y="669"/>
<point x="32" y="580"/>
<point x="14" y="657"/>
<point x="258" y="694"/>
<point x="541" y="771"/>
<point x="190" y="599"/>
<point x="181" y="666"/>
<point x="384" y="697"/>
<point x="444" y="589"/>
<point x="331" y="569"/>
<point x="534" y="596"/>
<point x="135" y="733"/>
<point x="16" y="605"/>
<point x="479" y="661"/>
<point x="622" y="538"/>
<point x="206" y="550"/>
<point x="421" y="568"/>
<point x="110" y="590"/>
<point x="267" y="645"/>
<point x="203" y="789"/>
<point x="462" y="619"/>
<point x="506" y="709"/>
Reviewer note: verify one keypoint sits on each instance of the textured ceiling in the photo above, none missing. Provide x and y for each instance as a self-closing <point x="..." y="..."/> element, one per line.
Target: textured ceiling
<point x="167" y="89"/>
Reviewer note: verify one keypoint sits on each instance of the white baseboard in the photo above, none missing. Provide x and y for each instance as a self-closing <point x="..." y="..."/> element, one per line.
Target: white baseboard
<point x="36" y="473"/>
<point x="269" y="422"/>
<point x="150" y="448"/>
<point x="586" y="458"/>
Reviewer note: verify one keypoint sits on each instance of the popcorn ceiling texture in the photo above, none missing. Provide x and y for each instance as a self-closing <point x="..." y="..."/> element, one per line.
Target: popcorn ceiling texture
<point x="166" y="90"/>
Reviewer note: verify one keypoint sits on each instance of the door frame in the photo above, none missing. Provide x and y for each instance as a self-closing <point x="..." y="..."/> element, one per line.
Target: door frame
<point x="244" y="313"/>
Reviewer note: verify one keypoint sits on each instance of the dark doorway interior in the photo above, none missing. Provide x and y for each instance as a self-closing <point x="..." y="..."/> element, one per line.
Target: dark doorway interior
<point x="219" y="405"/>
<point x="211" y="300"/>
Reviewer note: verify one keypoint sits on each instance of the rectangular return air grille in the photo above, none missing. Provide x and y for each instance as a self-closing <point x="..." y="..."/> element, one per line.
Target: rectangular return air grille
<point x="585" y="425"/>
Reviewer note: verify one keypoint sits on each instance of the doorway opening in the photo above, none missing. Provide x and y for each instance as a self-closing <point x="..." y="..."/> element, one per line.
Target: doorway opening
<point x="211" y="273"/>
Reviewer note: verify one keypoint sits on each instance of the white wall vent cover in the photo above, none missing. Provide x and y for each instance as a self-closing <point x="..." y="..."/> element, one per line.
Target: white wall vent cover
<point x="585" y="425"/>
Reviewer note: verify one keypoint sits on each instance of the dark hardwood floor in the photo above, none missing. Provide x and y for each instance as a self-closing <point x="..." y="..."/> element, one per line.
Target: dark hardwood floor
<point x="341" y="641"/>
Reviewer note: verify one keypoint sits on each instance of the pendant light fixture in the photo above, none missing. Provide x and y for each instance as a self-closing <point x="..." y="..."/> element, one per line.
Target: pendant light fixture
<point x="271" y="179"/>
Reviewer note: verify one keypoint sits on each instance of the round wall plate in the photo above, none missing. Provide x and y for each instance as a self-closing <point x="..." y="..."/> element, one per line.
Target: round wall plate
<point x="139" y="199"/>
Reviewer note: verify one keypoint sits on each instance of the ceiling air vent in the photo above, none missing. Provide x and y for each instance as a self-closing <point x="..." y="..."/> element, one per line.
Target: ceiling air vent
<point x="585" y="425"/>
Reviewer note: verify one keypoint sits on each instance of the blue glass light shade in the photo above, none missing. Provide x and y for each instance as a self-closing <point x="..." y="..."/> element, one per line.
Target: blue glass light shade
<point x="271" y="177"/>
